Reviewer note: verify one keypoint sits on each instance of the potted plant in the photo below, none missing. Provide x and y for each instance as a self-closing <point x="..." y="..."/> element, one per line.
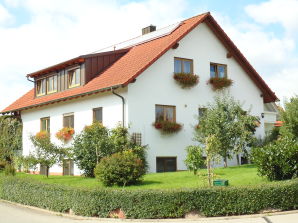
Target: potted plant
<point x="219" y="83"/>
<point x="167" y="127"/>
<point x="186" y="80"/>
<point x="65" y="134"/>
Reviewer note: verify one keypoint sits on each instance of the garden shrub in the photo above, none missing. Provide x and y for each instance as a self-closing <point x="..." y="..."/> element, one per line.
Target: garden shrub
<point x="9" y="170"/>
<point x="151" y="203"/>
<point x="194" y="158"/>
<point x="123" y="168"/>
<point x="277" y="160"/>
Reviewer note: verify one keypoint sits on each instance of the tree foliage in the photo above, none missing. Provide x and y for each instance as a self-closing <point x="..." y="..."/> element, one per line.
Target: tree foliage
<point x="10" y="138"/>
<point x="290" y="118"/>
<point x="194" y="158"/>
<point x="229" y="124"/>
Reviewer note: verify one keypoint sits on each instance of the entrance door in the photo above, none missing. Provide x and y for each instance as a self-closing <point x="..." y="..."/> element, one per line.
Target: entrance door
<point x="68" y="167"/>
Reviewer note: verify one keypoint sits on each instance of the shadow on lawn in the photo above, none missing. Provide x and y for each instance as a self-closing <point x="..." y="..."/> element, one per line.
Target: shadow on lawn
<point x="148" y="182"/>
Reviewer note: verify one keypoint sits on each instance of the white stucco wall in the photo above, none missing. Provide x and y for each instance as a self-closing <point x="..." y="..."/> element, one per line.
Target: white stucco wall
<point x="157" y="86"/>
<point x="83" y="115"/>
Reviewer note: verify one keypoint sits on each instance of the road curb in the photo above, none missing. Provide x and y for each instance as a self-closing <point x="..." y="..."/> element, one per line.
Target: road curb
<point x="77" y="217"/>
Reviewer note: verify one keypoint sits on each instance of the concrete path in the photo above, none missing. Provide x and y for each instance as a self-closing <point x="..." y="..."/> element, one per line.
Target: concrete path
<point x="12" y="213"/>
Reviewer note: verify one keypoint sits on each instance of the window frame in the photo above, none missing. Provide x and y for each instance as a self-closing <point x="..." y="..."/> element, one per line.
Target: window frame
<point x="216" y="69"/>
<point x="48" y="124"/>
<point x="41" y="80"/>
<point x="164" y="112"/>
<point x="53" y="83"/>
<point x="68" y="115"/>
<point x="94" y="116"/>
<point x="182" y="64"/>
<point x="73" y="71"/>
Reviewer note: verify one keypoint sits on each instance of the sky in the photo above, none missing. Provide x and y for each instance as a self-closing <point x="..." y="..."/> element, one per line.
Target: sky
<point x="35" y="34"/>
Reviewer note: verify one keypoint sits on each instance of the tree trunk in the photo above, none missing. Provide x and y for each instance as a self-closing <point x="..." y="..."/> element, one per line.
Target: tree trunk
<point x="238" y="160"/>
<point x="225" y="162"/>
<point x="209" y="172"/>
<point x="47" y="171"/>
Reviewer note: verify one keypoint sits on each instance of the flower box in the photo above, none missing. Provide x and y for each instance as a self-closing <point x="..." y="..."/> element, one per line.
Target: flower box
<point x="220" y="83"/>
<point x="42" y="135"/>
<point x="167" y="127"/>
<point x="65" y="134"/>
<point x="186" y="80"/>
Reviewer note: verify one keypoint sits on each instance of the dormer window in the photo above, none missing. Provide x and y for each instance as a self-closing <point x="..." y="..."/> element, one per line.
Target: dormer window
<point x="74" y="78"/>
<point x="182" y="65"/>
<point x="41" y="87"/>
<point x="218" y="70"/>
<point x="52" y="84"/>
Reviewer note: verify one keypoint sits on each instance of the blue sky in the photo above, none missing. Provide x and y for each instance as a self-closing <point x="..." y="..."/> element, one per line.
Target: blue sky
<point x="38" y="33"/>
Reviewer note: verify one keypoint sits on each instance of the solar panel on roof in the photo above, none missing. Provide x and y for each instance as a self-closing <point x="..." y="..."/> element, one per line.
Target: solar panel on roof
<point x="142" y="39"/>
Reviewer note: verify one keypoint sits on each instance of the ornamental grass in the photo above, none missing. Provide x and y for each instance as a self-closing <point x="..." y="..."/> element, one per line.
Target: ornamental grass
<point x="167" y="127"/>
<point x="186" y="80"/>
<point x="219" y="83"/>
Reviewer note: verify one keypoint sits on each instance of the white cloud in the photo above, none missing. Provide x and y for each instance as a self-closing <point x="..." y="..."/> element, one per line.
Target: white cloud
<point x="60" y="30"/>
<point x="5" y="16"/>
<point x="284" y="12"/>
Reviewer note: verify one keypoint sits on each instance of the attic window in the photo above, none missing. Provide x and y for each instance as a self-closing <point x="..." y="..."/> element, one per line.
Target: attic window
<point x="74" y="78"/>
<point x="218" y="70"/>
<point x="52" y="84"/>
<point x="182" y="65"/>
<point x="41" y="87"/>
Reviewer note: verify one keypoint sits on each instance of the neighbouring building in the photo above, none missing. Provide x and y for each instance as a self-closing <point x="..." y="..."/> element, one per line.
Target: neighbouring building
<point x="132" y="83"/>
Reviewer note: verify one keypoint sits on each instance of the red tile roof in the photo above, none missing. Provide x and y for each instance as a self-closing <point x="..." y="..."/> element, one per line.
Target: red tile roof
<point x="135" y="61"/>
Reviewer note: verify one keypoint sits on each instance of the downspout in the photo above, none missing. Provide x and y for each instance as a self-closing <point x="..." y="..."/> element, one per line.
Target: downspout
<point x="30" y="80"/>
<point x="123" y="106"/>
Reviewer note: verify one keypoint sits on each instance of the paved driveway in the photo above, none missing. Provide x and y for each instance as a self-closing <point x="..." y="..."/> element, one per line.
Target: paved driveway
<point x="10" y="213"/>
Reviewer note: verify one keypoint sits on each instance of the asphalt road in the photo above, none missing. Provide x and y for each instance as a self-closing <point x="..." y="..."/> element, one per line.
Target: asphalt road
<point x="10" y="213"/>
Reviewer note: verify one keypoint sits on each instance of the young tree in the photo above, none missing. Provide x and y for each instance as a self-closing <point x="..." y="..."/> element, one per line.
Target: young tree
<point x="194" y="158"/>
<point x="47" y="153"/>
<point x="10" y="138"/>
<point x="290" y="118"/>
<point x="226" y="121"/>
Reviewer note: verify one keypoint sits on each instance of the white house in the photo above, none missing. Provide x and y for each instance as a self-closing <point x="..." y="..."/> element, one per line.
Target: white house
<point x="132" y="83"/>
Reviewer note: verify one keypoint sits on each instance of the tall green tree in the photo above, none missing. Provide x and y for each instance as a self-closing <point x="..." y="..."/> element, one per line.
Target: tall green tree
<point x="290" y="118"/>
<point x="226" y="121"/>
<point x="10" y="137"/>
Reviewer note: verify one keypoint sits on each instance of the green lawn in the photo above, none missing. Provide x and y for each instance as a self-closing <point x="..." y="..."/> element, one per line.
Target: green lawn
<point x="237" y="176"/>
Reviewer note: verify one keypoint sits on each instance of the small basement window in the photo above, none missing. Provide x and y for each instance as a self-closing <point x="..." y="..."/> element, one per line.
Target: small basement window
<point x="52" y="84"/>
<point x="182" y="65"/>
<point x="165" y="113"/>
<point x="40" y="87"/>
<point x="68" y="120"/>
<point x="45" y="124"/>
<point x="74" y="78"/>
<point x="218" y="70"/>
<point x="166" y="164"/>
<point x="97" y="114"/>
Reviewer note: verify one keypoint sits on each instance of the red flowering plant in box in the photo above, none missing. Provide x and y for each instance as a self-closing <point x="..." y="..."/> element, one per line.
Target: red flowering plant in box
<point x="186" y="80"/>
<point x="167" y="127"/>
<point x="65" y="134"/>
<point x="219" y="83"/>
<point x="42" y="135"/>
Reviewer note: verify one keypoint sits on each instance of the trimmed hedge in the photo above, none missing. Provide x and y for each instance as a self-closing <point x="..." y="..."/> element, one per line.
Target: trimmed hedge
<point x="151" y="203"/>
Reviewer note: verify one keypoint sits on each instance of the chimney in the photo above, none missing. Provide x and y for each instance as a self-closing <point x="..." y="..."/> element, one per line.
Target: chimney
<point x="148" y="29"/>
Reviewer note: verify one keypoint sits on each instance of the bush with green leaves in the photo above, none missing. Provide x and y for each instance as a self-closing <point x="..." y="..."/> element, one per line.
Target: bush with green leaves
<point x="151" y="203"/>
<point x="96" y="142"/>
<point x="122" y="169"/>
<point x="277" y="160"/>
<point x="289" y="118"/>
<point x="194" y="158"/>
<point x="9" y="170"/>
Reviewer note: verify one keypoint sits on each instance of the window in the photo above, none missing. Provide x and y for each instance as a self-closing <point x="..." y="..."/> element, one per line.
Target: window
<point x="45" y="124"/>
<point x="165" y="113"/>
<point x="97" y="114"/>
<point x="52" y="84"/>
<point x="218" y="70"/>
<point x="166" y="164"/>
<point x="182" y="65"/>
<point x="74" y="78"/>
<point x="41" y="87"/>
<point x="68" y="120"/>
<point x="137" y="138"/>
<point x="68" y="166"/>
